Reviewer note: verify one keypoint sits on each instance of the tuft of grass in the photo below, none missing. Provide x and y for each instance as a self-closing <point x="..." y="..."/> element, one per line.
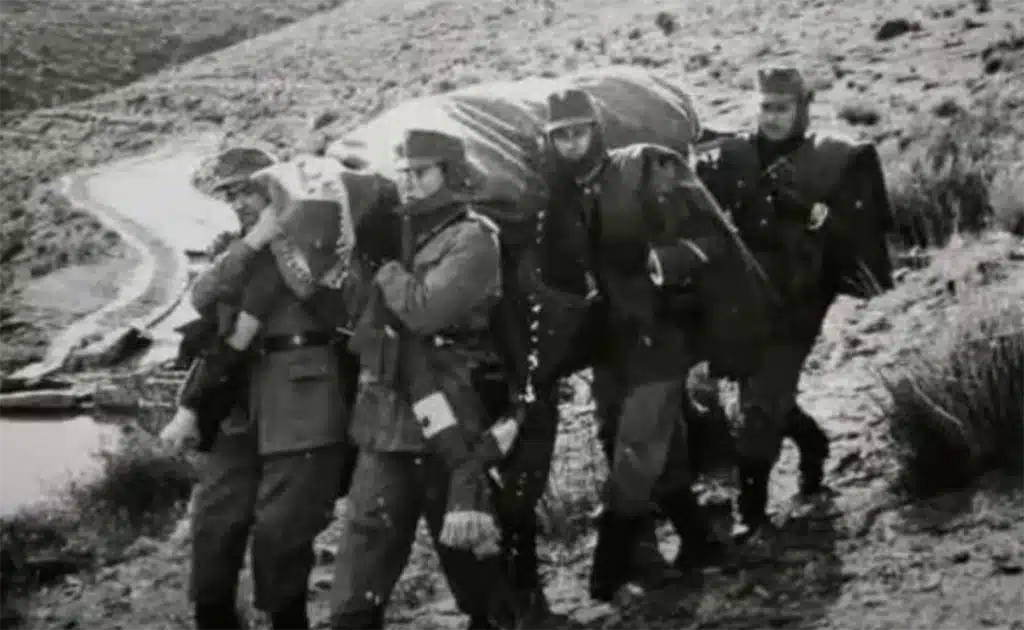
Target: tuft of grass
<point x="859" y="114"/>
<point x="1007" y="200"/>
<point x="139" y="491"/>
<point x="943" y="186"/>
<point x="957" y="409"/>
<point x="666" y="23"/>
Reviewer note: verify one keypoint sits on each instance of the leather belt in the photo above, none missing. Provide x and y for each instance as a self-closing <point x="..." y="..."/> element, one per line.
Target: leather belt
<point x="279" y="343"/>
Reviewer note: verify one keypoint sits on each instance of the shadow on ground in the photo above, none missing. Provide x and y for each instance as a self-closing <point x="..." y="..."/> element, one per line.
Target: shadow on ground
<point x="793" y="585"/>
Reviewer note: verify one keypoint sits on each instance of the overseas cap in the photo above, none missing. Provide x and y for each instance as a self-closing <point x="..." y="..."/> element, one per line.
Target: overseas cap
<point x="569" y="107"/>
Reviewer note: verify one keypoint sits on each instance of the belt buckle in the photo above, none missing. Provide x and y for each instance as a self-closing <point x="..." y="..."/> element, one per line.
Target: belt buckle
<point x="297" y="341"/>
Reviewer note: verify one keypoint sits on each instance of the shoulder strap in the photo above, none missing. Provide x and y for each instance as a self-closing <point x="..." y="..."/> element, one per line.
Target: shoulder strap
<point x="820" y="164"/>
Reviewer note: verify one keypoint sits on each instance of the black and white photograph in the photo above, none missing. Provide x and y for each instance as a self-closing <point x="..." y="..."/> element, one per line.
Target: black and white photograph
<point x="512" y="314"/>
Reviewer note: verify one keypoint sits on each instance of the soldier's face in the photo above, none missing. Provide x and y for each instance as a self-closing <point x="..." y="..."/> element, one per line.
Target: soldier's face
<point x="247" y="202"/>
<point x="777" y="118"/>
<point x="573" y="141"/>
<point x="420" y="182"/>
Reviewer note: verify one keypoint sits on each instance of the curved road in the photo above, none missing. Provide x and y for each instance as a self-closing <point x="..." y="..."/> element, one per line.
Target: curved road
<point x="150" y="202"/>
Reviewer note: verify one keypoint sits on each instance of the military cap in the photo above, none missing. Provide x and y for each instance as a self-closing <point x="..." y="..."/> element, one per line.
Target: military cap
<point x="782" y="81"/>
<point x="237" y="164"/>
<point x="422" y="147"/>
<point x="569" y="107"/>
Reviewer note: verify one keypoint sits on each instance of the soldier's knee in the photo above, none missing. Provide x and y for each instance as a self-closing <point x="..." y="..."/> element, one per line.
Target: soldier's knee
<point x="220" y="525"/>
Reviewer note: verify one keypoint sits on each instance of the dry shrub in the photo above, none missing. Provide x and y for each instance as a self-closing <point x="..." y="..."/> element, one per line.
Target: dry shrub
<point x="1007" y="197"/>
<point x="859" y="113"/>
<point x="957" y="410"/>
<point x="943" y="186"/>
<point x="139" y="490"/>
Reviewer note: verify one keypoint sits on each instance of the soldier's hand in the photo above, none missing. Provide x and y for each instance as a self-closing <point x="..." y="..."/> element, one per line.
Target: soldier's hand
<point x="268" y="227"/>
<point x="182" y="432"/>
<point x="819" y="214"/>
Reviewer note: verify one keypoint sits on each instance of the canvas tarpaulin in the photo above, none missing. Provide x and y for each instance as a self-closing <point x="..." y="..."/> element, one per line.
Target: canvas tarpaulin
<point x="501" y="124"/>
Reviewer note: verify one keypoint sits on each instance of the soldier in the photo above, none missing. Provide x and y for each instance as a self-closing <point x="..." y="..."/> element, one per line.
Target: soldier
<point x="229" y="329"/>
<point x="607" y="209"/>
<point x="276" y="466"/>
<point x="418" y="417"/>
<point x="813" y="210"/>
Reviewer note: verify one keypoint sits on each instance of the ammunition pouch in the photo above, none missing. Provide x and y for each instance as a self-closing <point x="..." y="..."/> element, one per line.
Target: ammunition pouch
<point x="300" y="399"/>
<point x="216" y="383"/>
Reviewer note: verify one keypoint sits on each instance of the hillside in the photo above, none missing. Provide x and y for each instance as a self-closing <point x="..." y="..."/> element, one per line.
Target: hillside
<point x="933" y="62"/>
<point x="57" y="51"/>
<point x="936" y="84"/>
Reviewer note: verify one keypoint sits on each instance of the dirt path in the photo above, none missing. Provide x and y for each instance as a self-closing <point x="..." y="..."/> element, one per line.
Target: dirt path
<point x="151" y="204"/>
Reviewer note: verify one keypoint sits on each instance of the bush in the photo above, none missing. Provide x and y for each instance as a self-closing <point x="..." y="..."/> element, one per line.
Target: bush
<point x="859" y="113"/>
<point x="957" y="411"/>
<point x="139" y="491"/>
<point x="941" y="189"/>
<point x="1008" y="200"/>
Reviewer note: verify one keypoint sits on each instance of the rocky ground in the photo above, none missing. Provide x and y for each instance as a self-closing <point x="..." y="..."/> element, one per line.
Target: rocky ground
<point x="884" y="69"/>
<point x="864" y="558"/>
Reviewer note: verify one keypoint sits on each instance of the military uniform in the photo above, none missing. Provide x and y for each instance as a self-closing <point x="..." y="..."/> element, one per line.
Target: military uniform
<point x="277" y="466"/>
<point x="434" y="306"/>
<point x="604" y="217"/>
<point x="813" y="210"/>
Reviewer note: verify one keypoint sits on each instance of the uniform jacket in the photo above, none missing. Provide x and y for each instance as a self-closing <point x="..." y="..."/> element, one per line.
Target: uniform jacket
<point x="771" y="204"/>
<point x="297" y="398"/>
<point x="446" y="297"/>
<point x="608" y="223"/>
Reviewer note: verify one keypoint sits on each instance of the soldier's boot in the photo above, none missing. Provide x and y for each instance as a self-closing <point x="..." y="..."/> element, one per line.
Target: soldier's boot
<point x="613" y="569"/>
<point x="697" y="548"/>
<point x="753" y="498"/>
<point x="649" y="564"/>
<point x="813" y="445"/>
<point x="532" y="605"/>
<point x="293" y="617"/>
<point x="217" y="616"/>
<point x="369" y="619"/>
<point x="535" y="611"/>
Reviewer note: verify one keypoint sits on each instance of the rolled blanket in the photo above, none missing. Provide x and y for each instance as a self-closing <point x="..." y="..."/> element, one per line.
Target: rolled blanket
<point x="309" y="194"/>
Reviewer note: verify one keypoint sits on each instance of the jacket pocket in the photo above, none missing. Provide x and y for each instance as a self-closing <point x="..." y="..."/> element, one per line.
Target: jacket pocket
<point x="300" y="401"/>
